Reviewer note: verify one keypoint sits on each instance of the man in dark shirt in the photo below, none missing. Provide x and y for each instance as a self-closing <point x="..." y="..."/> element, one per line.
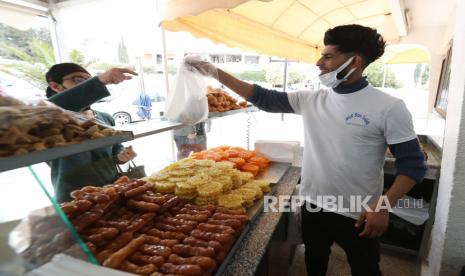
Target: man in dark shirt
<point x="96" y="167"/>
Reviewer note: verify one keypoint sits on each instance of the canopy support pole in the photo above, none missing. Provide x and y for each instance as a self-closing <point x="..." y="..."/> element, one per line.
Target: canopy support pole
<point x="55" y="34"/>
<point x="166" y="73"/>
<point x="284" y="83"/>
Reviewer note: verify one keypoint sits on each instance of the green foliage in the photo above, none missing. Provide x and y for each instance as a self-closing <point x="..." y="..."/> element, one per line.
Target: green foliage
<point x="31" y="51"/>
<point x="123" y="56"/>
<point x="417" y="73"/>
<point x="76" y="56"/>
<point x="295" y="76"/>
<point x="375" y="74"/>
<point x="172" y="69"/>
<point x="43" y="53"/>
<point x="425" y="75"/>
<point x="275" y="75"/>
<point x="16" y="53"/>
<point x="251" y="75"/>
<point x="20" y="40"/>
<point x="34" y="72"/>
<point x="32" y="66"/>
<point x="149" y="69"/>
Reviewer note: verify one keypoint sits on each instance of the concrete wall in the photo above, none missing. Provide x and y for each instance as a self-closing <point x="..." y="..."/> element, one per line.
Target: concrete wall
<point x="447" y="252"/>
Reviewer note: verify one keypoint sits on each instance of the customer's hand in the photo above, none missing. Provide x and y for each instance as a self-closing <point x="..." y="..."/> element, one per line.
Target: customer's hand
<point x="205" y="68"/>
<point x="116" y="75"/>
<point x="126" y="155"/>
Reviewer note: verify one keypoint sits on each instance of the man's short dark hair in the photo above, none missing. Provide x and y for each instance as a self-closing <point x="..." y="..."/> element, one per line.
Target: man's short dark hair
<point x="60" y="70"/>
<point x="357" y="39"/>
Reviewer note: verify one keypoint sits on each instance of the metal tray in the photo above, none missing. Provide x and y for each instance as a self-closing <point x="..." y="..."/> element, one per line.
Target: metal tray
<point x="18" y="161"/>
<point x="274" y="172"/>
<point x="212" y="115"/>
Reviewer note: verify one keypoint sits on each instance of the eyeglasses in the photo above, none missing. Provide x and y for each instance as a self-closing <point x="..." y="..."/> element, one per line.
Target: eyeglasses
<point x="77" y="79"/>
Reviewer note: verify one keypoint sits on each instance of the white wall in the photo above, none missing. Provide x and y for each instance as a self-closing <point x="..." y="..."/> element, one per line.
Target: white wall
<point x="435" y="39"/>
<point x="447" y="253"/>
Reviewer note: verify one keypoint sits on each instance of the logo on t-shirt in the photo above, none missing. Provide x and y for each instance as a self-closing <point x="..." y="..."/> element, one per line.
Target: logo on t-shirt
<point x="357" y="119"/>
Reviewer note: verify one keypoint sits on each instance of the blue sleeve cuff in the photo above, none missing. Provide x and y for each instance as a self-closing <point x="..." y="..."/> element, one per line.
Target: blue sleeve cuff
<point x="117" y="149"/>
<point x="410" y="160"/>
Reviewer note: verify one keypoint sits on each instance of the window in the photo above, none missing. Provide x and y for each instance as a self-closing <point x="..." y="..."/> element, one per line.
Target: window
<point x="217" y="58"/>
<point x="443" y="87"/>
<point x="233" y="58"/>
<point x="251" y="59"/>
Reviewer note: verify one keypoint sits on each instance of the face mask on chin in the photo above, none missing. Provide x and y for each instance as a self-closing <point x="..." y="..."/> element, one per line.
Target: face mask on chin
<point x="330" y="79"/>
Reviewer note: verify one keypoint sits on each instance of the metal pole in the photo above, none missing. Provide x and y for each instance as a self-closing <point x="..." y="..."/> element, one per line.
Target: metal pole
<point x="140" y="70"/>
<point x="164" y="56"/>
<point x="165" y="72"/>
<point x="284" y="83"/>
<point x="165" y="60"/>
<point x="55" y="34"/>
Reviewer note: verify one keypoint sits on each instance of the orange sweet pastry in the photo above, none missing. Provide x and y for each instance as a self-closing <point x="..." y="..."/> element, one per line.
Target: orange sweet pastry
<point x="251" y="168"/>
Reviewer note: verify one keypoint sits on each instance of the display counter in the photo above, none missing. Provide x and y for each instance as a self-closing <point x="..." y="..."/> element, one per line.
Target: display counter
<point x="250" y="252"/>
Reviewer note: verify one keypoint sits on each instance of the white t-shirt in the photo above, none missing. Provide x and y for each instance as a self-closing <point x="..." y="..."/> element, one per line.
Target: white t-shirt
<point x="346" y="136"/>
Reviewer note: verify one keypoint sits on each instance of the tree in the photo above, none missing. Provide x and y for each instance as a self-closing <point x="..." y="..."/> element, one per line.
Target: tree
<point x="123" y="56"/>
<point x="274" y="74"/>
<point x="30" y="52"/>
<point x="33" y="66"/>
<point x="21" y="39"/>
<point x="377" y="71"/>
<point x="295" y="76"/>
<point x="417" y="73"/>
<point x="256" y="76"/>
<point x="77" y="56"/>
<point x="425" y="75"/>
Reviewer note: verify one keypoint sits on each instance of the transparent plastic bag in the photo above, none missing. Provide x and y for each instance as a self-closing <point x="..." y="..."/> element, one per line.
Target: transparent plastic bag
<point x="187" y="102"/>
<point x="28" y="128"/>
<point x="42" y="235"/>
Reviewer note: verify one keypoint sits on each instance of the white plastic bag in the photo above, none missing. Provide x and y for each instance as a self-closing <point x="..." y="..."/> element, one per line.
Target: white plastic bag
<point x="187" y="102"/>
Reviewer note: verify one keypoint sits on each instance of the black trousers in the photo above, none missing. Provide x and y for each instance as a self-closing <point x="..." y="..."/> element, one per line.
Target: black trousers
<point x="320" y="229"/>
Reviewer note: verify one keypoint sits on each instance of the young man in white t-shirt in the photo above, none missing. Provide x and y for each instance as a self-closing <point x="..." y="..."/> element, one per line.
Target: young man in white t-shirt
<point x="347" y="127"/>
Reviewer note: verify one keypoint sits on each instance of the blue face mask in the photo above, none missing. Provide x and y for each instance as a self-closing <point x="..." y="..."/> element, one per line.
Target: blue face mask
<point x="330" y="79"/>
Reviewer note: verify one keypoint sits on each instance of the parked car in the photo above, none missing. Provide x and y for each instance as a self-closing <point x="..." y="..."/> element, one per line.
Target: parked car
<point x="124" y="110"/>
<point x="20" y="89"/>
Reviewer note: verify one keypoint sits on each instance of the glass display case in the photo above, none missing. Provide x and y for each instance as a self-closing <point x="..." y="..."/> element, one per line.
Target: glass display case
<point x="34" y="230"/>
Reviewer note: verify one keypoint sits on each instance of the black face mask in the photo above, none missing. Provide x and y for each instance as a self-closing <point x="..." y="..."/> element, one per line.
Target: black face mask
<point x="49" y="92"/>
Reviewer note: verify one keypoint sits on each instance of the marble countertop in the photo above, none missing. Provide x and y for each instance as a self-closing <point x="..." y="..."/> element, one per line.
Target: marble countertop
<point x="253" y="247"/>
